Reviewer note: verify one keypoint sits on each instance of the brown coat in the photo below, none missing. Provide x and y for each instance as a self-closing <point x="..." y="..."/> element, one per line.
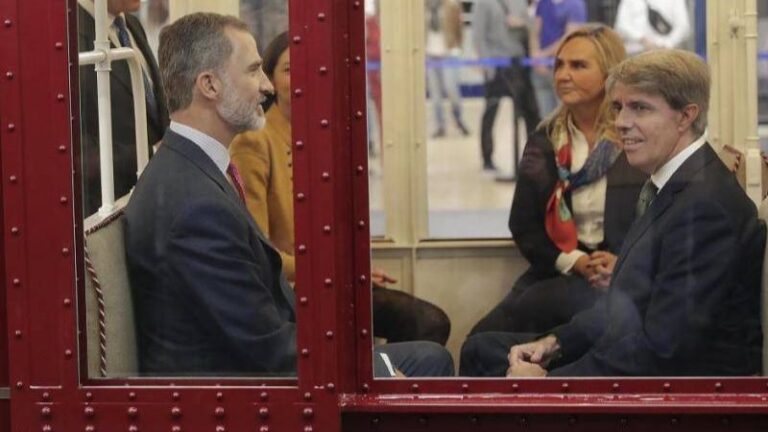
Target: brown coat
<point x="264" y="159"/>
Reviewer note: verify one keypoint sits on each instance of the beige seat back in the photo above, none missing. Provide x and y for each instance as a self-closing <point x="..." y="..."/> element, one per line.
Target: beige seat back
<point x="111" y="334"/>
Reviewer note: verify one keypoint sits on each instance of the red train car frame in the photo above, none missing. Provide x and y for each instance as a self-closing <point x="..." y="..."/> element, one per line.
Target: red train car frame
<point x="44" y="386"/>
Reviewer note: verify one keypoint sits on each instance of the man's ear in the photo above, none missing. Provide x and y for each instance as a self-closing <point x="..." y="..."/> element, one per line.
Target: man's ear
<point x="208" y="85"/>
<point x="689" y="115"/>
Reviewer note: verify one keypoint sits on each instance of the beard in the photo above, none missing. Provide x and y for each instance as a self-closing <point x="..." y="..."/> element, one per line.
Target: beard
<point x="241" y="114"/>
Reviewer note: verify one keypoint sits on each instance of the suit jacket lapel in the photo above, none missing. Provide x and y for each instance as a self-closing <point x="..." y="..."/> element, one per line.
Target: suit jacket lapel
<point x="679" y="181"/>
<point x="196" y="155"/>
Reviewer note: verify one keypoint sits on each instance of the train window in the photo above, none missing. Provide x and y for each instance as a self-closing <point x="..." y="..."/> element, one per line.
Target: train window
<point x="179" y="281"/>
<point x="376" y="132"/>
<point x="479" y="289"/>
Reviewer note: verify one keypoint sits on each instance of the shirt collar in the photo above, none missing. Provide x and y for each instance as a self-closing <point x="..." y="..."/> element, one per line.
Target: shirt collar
<point x="665" y="172"/>
<point x="213" y="148"/>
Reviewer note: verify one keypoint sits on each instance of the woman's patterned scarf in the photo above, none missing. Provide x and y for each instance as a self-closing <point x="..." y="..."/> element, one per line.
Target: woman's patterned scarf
<point x="558" y="219"/>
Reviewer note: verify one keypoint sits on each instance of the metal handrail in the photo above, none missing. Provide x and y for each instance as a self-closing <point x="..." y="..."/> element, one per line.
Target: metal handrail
<point x="102" y="56"/>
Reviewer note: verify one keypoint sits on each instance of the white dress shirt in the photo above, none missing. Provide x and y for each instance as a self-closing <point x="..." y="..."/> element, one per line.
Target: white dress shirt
<point x="665" y="172"/>
<point x="209" y="145"/>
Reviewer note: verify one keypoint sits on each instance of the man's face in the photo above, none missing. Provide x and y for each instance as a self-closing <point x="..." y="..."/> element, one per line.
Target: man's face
<point x="651" y="131"/>
<point x="244" y="84"/>
<point x="122" y="6"/>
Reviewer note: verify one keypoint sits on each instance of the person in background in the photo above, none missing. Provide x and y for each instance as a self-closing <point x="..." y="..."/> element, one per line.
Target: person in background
<point x="124" y="30"/>
<point x="500" y="33"/>
<point x="651" y="24"/>
<point x="553" y="20"/>
<point x="264" y="159"/>
<point x="445" y="33"/>
<point x="574" y="200"/>
<point x="684" y="295"/>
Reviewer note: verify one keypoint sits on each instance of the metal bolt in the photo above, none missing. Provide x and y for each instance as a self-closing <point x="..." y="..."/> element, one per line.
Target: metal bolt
<point x="616" y="387"/>
<point x="17" y="333"/>
<point x="298" y="92"/>
<point x="515" y="387"/>
<point x="219" y="396"/>
<point x="63" y="200"/>
<point x="326" y="175"/>
<point x="331" y="386"/>
<point x="329" y="334"/>
<point x="89" y="412"/>
<point x="60" y="97"/>
<point x="323" y="70"/>
<point x="308" y="428"/>
<point x="308" y="413"/>
<point x="16" y="282"/>
<point x="358" y="60"/>
<point x="9" y="75"/>
<point x="264" y="396"/>
<point x="360" y="169"/>
<point x="175" y="428"/>
<point x="47" y="428"/>
<point x="305" y="352"/>
<point x="327" y="229"/>
<point x="300" y="196"/>
<point x="11" y="127"/>
<point x="718" y="386"/>
<point x="361" y="224"/>
<point x="133" y="428"/>
<point x="176" y="412"/>
<point x="58" y="45"/>
<point x="221" y="428"/>
<point x="15" y="230"/>
<point x="264" y="412"/>
<point x="67" y="302"/>
<point x="131" y="396"/>
<point x="302" y="248"/>
<point x="13" y="179"/>
<point x="565" y="387"/>
<point x="303" y="301"/>
<point x="358" y="115"/>
<point x="19" y="385"/>
<point x="356" y="5"/>
<point x="46" y="396"/>
<point x="324" y="123"/>
<point x="45" y="412"/>
<point x="89" y="396"/>
<point x="297" y="39"/>
<point x="68" y="354"/>
<point x="465" y="387"/>
<point x="219" y="412"/>
<point x="667" y="386"/>
<point x="90" y="428"/>
<point x="8" y="23"/>
<point x="175" y="396"/>
<point x="299" y="145"/>
<point x="414" y="387"/>
<point x="364" y="332"/>
<point x="62" y="149"/>
<point x="307" y="396"/>
<point x="65" y="251"/>
<point x="363" y="278"/>
<point x="321" y="16"/>
<point x="264" y="428"/>
<point x="328" y="282"/>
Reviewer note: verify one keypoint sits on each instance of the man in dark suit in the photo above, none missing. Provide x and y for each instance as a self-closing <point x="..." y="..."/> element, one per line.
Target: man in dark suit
<point x="209" y="294"/>
<point x="123" y="30"/>
<point x="684" y="295"/>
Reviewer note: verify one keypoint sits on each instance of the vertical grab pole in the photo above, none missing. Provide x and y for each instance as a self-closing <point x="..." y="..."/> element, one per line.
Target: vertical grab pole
<point x="103" y="68"/>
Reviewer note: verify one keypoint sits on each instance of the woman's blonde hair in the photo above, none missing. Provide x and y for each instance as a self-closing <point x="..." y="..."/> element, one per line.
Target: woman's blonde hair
<point x="610" y="52"/>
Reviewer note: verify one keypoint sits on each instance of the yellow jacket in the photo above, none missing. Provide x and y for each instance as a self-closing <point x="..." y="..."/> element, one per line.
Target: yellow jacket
<point x="265" y="162"/>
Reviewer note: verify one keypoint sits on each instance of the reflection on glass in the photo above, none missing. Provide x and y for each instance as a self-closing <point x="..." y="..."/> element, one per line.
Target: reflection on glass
<point x="374" y="114"/>
<point x="180" y="280"/>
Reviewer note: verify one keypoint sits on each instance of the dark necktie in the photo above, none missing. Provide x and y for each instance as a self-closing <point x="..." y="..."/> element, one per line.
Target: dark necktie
<point x="125" y="41"/>
<point x="237" y="181"/>
<point x="647" y="194"/>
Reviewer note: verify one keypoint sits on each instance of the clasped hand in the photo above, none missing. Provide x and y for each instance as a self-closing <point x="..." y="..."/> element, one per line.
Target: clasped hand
<point x="531" y="359"/>
<point x="596" y="268"/>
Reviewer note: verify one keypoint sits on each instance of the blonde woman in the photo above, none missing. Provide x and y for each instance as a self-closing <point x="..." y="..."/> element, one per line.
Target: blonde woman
<point x="575" y="198"/>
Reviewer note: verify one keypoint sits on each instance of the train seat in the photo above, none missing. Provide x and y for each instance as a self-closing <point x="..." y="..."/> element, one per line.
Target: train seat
<point x="111" y="334"/>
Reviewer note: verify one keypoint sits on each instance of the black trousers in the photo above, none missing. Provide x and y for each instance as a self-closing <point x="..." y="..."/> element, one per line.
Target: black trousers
<point x="537" y="305"/>
<point x="515" y="82"/>
<point x="401" y="317"/>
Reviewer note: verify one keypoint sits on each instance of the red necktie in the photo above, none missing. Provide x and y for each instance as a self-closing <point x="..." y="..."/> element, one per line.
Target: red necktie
<point x="237" y="181"/>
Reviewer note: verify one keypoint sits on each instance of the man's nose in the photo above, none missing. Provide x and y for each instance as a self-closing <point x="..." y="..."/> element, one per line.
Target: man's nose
<point x="622" y="121"/>
<point x="266" y="87"/>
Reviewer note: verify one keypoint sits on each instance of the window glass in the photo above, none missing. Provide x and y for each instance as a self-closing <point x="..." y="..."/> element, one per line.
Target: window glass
<point x="375" y="132"/>
<point x="179" y="278"/>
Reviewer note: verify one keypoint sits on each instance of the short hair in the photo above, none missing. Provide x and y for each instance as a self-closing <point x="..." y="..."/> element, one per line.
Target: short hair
<point x="610" y="52"/>
<point x="193" y="44"/>
<point x="680" y="77"/>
